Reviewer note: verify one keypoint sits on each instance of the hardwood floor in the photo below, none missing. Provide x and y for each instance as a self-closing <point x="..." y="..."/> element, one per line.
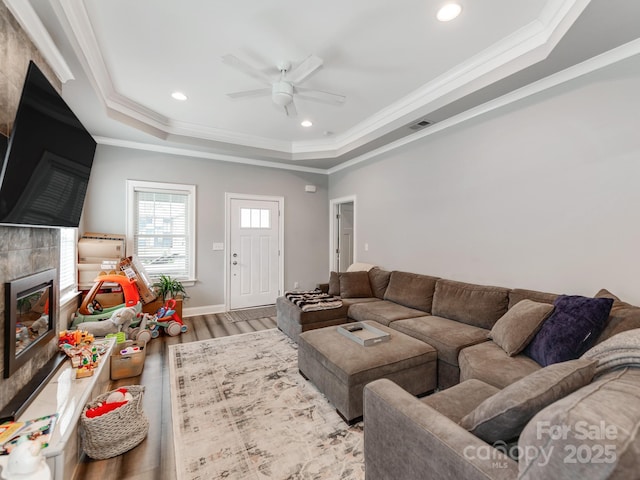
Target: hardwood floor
<point x="154" y="458"/>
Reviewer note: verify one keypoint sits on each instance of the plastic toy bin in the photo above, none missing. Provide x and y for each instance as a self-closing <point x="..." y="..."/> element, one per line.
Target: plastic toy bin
<point x="129" y="365"/>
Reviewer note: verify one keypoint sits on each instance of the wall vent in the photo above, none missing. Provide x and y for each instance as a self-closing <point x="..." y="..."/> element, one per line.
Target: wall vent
<point x="420" y="125"/>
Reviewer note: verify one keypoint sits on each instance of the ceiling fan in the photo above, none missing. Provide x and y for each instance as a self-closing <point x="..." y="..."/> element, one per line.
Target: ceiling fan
<point x="283" y="88"/>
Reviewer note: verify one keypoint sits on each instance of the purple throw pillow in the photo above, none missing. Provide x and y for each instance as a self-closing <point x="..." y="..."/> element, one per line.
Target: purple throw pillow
<point x="572" y="328"/>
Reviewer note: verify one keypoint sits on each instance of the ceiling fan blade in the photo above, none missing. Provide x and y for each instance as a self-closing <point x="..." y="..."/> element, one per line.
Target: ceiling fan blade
<point x="250" y="93"/>
<point x="245" y="68"/>
<point x="290" y="110"/>
<point x="320" y="96"/>
<point x="306" y="68"/>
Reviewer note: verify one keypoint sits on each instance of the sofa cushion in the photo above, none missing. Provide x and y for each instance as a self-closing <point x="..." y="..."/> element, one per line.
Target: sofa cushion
<point x="505" y="414"/>
<point x="379" y="280"/>
<point x="518" y="294"/>
<point x="382" y="311"/>
<point x="622" y="317"/>
<point x="515" y="329"/>
<point x="572" y="328"/>
<point x="334" y="284"/>
<point x="461" y="399"/>
<point x="601" y="421"/>
<point x="477" y="305"/>
<point x="448" y="337"/>
<point x="411" y="290"/>
<point x="490" y="363"/>
<point x="355" y="284"/>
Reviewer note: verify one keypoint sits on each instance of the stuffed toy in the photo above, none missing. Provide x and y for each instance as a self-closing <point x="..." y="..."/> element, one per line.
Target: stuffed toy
<point x="120" y="320"/>
<point x="115" y="399"/>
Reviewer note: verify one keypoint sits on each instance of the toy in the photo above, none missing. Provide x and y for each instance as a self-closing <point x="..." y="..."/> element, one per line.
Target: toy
<point x="89" y="310"/>
<point x="115" y="400"/>
<point x="119" y="320"/>
<point x="168" y="319"/>
<point x="140" y="331"/>
<point x="129" y="350"/>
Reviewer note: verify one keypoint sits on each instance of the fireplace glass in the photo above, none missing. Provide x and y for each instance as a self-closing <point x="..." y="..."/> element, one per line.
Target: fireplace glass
<point x="30" y="322"/>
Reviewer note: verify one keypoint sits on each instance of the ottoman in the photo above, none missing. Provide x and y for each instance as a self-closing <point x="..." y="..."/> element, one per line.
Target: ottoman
<point x="340" y="367"/>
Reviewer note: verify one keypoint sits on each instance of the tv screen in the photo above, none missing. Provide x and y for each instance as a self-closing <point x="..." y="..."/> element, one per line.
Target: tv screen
<point x="48" y="160"/>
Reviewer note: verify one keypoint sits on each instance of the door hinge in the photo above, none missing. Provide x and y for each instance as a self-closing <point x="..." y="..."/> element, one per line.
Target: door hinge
<point x="338" y="215"/>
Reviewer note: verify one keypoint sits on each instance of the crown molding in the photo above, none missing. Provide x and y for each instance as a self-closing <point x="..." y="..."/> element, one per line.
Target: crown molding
<point x="186" y="152"/>
<point x="598" y="62"/>
<point x="529" y="44"/>
<point x="588" y="66"/>
<point x="524" y="47"/>
<point x="31" y="23"/>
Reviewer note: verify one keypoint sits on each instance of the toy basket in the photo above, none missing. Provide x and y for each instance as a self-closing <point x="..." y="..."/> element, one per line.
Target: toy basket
<point x="117" y="431"/>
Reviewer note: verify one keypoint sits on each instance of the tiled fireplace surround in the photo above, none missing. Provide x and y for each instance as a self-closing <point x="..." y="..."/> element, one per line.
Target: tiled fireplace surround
<point x="23" y="251"/>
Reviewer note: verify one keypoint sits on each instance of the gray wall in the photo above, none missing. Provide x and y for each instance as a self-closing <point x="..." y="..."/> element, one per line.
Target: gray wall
<point x="543" y="193"/>
<point x="305" y="214"/>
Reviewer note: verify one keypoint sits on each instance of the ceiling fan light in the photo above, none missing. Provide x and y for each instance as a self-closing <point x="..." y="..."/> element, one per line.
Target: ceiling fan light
<point x="448" y="12"/>
<point x="282" y="93"/>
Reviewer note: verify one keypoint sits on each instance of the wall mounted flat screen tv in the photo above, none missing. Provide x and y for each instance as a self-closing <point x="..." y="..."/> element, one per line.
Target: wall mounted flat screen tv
<point x="48" y="160"/>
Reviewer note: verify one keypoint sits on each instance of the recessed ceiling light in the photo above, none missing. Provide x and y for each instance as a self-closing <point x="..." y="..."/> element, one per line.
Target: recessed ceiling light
<point x="306" y="123"/>
<point x="449" y="12"/>
<point x="179" y="96"/>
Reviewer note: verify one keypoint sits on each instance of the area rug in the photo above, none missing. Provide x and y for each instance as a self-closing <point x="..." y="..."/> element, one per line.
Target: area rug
<point x="241" y="410"/>
<point x="248" y="314"/>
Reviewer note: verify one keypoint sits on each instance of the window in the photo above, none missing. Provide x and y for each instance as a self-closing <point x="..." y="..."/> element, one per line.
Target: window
<point x="161" y="227"/>
<point x="68" y="262"/>
<point x="255" y="218"/>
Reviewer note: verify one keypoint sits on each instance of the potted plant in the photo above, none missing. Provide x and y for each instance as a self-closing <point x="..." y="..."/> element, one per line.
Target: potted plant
<point x="167" y="287"/>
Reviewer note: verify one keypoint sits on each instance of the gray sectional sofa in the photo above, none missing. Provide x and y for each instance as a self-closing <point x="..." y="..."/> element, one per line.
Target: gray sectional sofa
<point x="479" y="423"/>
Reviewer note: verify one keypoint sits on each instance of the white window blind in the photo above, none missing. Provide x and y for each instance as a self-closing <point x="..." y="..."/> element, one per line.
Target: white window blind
<point x="163" y="228"/>
<point x="68" y="261"/>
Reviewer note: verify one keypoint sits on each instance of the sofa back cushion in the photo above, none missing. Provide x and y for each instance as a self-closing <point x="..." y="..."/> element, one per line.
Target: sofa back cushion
<point x="622" y="317"/>
<point x="518" y="294"/>
<point x="334" y="284"/>
<point x="355" y="284"/>
<point x="411" y="290"/>
<point x="477" y="305"/>
<point x="379" y="280"/>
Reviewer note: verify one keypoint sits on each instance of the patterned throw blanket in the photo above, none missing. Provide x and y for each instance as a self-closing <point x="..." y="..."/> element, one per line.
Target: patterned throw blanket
<point x="621" y="350"/>
<point x="312" y="300"/>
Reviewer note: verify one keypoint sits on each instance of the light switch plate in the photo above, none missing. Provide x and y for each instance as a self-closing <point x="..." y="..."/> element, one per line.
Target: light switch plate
<point x="218" y="246"/>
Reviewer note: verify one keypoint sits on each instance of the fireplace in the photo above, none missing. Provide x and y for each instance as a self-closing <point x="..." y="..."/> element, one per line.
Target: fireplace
<point x="30" y="321"/>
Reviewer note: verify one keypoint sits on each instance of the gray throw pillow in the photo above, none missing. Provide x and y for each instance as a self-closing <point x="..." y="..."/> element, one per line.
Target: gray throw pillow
<point x="505" y="414"/>
<point x="515" y="329"/>
<point x="355" y="285"/>
<point x="334" y="284"/>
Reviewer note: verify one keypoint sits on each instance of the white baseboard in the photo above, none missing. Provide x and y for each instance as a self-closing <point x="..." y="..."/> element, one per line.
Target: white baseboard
<point x="206" y="310"/>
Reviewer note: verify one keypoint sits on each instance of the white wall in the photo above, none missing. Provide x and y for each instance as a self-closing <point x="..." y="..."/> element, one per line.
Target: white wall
<point x="305" y="214"/>
<point x="541" y="194"/>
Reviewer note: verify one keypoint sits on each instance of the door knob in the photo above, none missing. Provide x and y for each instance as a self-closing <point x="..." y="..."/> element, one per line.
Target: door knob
<point x="235" y="255"/>
<point x="235" y="263"/>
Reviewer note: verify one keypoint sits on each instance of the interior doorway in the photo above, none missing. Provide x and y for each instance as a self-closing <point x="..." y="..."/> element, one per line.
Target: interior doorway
<point x="254" y="258"/>
<point x="343" y="233"/>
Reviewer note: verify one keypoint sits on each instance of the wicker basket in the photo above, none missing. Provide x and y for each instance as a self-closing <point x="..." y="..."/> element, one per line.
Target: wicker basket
<point x="117" y="431"/>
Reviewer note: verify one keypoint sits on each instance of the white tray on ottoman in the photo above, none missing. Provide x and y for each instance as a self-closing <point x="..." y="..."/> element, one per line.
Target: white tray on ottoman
<point x="340" y="367"/>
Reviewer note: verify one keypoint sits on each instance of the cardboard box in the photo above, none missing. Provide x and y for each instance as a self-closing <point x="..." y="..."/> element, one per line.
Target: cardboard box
<point x="91" y="248"/>
<point x="129" y="365"/>
<point x="135" y="271"/>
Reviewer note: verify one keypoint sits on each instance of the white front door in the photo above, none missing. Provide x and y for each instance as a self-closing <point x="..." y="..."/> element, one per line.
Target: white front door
<point x="254" y="252"/>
